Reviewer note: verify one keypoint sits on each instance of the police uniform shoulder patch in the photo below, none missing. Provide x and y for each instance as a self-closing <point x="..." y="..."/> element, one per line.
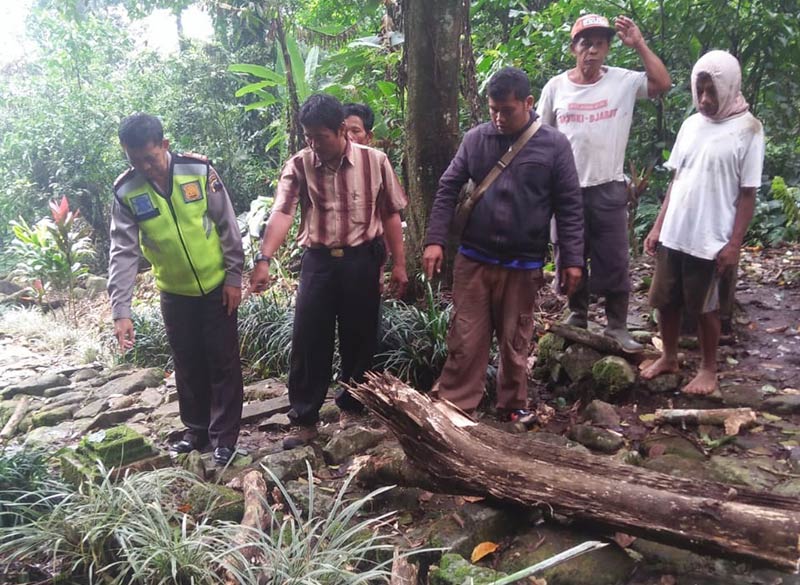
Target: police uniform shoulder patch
<point x="214" y="182"/>
<point x="124" y="177"/>
<point x="142" y="207"/>
<point x="195" y="156"/>
<point x="191" y="192"/>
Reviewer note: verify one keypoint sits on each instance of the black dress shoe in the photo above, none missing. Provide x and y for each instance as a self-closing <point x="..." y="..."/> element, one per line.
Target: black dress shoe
<point x="189" y="444"/>
<point x="222" y="455"/>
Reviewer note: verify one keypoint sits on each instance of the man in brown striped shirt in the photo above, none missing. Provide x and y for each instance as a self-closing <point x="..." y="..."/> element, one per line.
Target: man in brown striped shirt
<point x="349" y="197"/>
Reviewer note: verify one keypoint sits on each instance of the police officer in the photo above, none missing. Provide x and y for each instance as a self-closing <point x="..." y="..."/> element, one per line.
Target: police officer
<point x="175" y="209"/>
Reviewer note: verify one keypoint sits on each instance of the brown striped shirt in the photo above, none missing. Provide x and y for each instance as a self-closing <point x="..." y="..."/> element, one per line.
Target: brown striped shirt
<point x="343" y="207"/>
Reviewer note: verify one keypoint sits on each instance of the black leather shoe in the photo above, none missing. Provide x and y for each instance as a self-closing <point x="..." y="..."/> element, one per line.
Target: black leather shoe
<point x="188" y="444"/>
<point x="222" y="455"/>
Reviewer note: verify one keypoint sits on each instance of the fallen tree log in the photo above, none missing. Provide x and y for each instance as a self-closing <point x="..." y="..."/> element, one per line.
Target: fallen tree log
<point x="254" y="520"/>
<point x="464" y="457"/>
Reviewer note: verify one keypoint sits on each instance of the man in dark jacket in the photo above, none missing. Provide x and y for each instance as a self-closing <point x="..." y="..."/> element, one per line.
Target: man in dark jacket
<point x="498" y="269"/>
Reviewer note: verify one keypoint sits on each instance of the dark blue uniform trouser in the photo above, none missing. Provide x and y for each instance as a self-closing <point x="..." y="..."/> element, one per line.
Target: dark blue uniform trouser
<point x="205" y="347"/>
<point x="337" y="288"/>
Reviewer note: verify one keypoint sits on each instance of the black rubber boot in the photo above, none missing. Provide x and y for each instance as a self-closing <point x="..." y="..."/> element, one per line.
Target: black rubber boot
<point x="579" y="307"/>
<point x="617" y="328"/>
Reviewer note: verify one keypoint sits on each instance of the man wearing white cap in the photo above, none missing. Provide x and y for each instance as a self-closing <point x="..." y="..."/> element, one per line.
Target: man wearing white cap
<point x="593" y="105"/>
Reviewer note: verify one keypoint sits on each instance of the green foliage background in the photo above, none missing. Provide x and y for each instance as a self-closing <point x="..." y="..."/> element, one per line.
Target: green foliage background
<point x="60" y="107"/>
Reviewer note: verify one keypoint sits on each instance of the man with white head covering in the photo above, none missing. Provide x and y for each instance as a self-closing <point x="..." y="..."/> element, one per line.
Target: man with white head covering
<point x="717" y="160"/>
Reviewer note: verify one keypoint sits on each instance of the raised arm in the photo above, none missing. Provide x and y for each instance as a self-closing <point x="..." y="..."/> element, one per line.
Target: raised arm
<point x="658" y="79"/>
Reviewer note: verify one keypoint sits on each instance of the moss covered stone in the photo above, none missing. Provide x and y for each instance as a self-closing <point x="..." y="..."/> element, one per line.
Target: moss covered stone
<point x="549" y="349"/>
<point x="613" y="374"/>
<point x="217" y="502"/>
<point x="115" y="446"/>
<point x="454" y="569"/>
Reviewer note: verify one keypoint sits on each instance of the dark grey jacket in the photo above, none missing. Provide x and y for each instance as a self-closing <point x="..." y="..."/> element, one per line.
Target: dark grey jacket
<point x="512" y="219"/>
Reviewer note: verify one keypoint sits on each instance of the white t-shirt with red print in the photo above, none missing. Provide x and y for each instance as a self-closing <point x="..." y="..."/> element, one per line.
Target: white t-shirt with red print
<point x="596" y="118"/>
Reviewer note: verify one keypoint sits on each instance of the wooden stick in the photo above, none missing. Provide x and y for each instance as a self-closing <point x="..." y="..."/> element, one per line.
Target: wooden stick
<point x="732" y="418"/>
<point x="11" y="425"/>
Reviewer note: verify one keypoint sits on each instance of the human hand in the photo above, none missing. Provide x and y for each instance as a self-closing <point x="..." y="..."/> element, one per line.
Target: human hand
<point x="123" y="331"/>
<point x="259" y="278"/>
<point x="651" y="242"/>
<point x="231" y="297"/>
<point x="432" y="259"/>
<point x="628" y="32"/>
<point x="399" y="281"/>
<point x="727" y="257"/>
<point x="570" y="278"/>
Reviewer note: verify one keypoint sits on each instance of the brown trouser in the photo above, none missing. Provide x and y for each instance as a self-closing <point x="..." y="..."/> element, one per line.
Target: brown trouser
<point x="489" y="299"/>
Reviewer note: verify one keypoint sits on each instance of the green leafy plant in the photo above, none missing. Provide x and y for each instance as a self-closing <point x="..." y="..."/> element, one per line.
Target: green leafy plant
<point x="777" y="215"/>
<point x="54" y="251"/>
<point x="415" y="339"/>
<point x="118" y="532"/>
<point x="151" y="348"/>
<point x="24" y="472"/>
<point x="265" y="332"/>
<point x="310" y="548"/>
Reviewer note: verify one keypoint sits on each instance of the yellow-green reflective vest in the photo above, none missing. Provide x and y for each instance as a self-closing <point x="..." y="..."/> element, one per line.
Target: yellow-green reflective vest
<point x="176" y="234"/>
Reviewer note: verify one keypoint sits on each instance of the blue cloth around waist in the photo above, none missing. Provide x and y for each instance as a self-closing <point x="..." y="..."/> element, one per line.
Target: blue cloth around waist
<point x="513" y="264"/>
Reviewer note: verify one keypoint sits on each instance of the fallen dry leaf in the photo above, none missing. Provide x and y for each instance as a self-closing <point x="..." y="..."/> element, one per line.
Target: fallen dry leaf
<point x="536" y="581"/>
<point x="473" y="499"/>
<point x="425" y="497"/>
<point x="483" y="549"/>
<point x="658" y="344"/>
<point x="623" y="540"/>
<point x="653" y="452"/>
<point x="780" y="329"/>
<point x="667" y="580"/>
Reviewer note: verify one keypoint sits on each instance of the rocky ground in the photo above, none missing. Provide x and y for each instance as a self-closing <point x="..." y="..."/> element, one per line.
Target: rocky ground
<point x="67" y="401"/>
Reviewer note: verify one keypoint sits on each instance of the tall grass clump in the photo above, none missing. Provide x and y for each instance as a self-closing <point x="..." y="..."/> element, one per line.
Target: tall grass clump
<point x="131" y="531"/>
<point x="414" y="340"/>
<point x="315" y="549"/>
<point x="27" y="489"/>
<point x="265" y="333"/>
<point x="151" y="348"/>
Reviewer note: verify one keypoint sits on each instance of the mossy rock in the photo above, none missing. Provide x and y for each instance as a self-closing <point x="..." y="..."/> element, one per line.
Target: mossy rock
<point x="454" y="569"/>
<point x="217" y="502"/>
<point x="549" y="349"/>
<point x="50" y="418"/>
<point x="578" y="361"/>
<point x="607" y="566"/>
<point x="612" y="374"/>
<point x="116" y="446"/>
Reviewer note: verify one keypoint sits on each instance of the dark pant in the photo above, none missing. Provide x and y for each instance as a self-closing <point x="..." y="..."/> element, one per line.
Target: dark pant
<point x="489" y="299"/>
<point x="605" y="218"/>
<point x="205" y="346"/>
<point x="337" y="287"/>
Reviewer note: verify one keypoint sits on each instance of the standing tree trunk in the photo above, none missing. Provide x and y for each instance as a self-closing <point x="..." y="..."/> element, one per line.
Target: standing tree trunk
<point x="432" y="35"/>
<point x="295" y="131"/>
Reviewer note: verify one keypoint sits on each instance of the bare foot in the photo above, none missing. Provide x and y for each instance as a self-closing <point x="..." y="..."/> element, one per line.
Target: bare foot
<point x="662" y="365"/>
<point x="704" y="383"/>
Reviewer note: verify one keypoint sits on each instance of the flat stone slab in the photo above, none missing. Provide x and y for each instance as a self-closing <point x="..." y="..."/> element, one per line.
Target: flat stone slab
<point x="114" y="417"/>
<point x="132" y="382"/>
<point x="782" y="404"/>
<point x="255" y="411"/>
<point x="35" y="386"/>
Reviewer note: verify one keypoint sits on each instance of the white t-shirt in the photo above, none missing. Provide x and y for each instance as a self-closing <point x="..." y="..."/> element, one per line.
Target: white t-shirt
<point x="596" y="118"/>
<point x="712" y="162"/>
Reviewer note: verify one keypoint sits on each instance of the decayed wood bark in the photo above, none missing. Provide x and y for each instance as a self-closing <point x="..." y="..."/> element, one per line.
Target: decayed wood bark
<point x="403" y="572"/>
<point x="462" y="456"/>
<point x="255" y="515"/>
<point x="732" y="418"/>
<point x="11" y="425"/>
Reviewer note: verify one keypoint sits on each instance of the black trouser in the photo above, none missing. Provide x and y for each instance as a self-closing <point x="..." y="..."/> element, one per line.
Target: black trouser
<point x="337" y="287"/>
<point x="208" y="374"/>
